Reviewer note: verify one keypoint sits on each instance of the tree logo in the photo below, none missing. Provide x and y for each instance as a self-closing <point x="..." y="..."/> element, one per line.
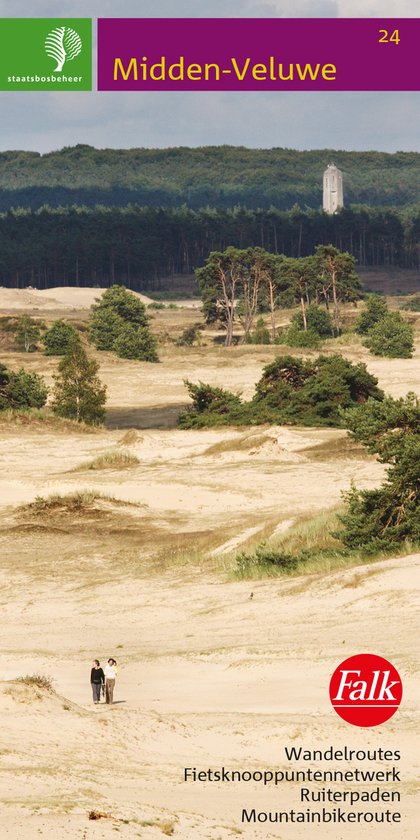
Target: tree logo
<point x="63" y="44"/>
<point x="366" y="690"/>
<point x="34" y="52"/>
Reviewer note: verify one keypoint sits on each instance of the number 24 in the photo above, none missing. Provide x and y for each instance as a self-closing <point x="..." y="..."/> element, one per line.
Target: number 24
<point x="387" y="38"/>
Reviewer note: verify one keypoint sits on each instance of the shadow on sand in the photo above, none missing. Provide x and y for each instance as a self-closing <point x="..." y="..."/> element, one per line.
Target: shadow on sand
<point x="152" y="417"/>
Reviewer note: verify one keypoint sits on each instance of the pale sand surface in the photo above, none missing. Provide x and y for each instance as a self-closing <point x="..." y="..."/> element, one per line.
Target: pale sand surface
<point x="59" y="297"/>
<point x="208" y="676"/>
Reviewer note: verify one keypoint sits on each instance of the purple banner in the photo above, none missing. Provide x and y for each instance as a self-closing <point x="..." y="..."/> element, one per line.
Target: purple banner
<point x="258" y="54"/>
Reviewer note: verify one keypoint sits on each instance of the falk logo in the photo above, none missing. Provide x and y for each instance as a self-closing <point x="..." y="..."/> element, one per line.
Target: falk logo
<point x="63" y="44"/>
<point x="366" y="690"/>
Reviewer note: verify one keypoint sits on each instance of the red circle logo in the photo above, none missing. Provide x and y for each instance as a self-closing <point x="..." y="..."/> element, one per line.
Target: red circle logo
<point x="365" y="690"/>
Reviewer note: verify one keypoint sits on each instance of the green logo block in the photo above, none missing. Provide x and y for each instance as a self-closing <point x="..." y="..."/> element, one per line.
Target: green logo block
<point x="45" y="54"/>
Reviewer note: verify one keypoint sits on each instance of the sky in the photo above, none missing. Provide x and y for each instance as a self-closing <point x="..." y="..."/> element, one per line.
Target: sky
<point x="44" y="121"/>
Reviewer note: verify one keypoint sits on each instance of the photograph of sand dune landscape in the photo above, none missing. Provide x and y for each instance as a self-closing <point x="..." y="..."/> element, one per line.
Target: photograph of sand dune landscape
<point x="209" y="455"/>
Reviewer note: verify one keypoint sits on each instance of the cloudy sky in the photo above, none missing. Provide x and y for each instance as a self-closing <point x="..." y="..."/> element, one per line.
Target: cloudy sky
<point x="307" y="120"/>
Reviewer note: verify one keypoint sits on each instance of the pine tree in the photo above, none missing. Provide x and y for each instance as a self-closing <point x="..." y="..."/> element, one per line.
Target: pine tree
<point x="21" y="389"/>
<point x="137" y="343"/>
<point x="78" y="392"/>
<point x="119" y="322"/>
<point x="392" y="337"/>
<point x="385" y="517"/>
<point x="58" y="338"/>
<point x="375" y="309"/>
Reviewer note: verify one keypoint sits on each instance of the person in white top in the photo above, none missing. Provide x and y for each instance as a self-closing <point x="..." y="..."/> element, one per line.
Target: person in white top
<point x="110" y="674"/>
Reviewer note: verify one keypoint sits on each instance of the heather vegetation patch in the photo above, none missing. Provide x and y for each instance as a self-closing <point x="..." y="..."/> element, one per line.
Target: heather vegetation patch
<point x="291" y="390"/>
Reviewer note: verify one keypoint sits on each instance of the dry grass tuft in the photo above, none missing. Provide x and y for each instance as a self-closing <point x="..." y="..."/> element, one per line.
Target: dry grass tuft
<point x="130" y="438"/>
<point x="36" y="681"/>
<point x="166" y="828"/>
<point x="99" y="815"/>
<point x="110" y="461"/>
<point x="245" y="443"/>
<point x="76" y="502"/>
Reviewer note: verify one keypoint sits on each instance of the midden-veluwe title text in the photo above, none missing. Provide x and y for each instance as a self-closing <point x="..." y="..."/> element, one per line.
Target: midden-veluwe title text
<point x="241" y="69"/>
<point x="255" y="54"/>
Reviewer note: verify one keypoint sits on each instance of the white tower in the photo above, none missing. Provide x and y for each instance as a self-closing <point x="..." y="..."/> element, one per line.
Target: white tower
<point x="333" y="189"/>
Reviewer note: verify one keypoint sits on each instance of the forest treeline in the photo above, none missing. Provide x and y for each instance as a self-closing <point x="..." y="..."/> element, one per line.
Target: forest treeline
<point x="137" y="246"/>
<point x="215" y="176"/>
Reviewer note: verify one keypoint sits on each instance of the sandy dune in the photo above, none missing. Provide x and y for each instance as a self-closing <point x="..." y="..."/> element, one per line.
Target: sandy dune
<point x="209" y="676"/>
<point x="60" y="297"/>
<point x="208" y="679"/>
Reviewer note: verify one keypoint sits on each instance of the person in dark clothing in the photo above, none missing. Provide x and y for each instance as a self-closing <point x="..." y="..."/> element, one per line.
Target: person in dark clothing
<point x="97" y="680"/>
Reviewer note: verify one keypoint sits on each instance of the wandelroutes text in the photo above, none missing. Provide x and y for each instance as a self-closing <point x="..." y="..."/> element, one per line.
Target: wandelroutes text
<point x="324" y="794"/>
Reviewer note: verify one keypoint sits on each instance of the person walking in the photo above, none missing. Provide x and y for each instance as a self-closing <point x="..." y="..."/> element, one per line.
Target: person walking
<point x="110" y="674"/>
<point x="97" y="679"/>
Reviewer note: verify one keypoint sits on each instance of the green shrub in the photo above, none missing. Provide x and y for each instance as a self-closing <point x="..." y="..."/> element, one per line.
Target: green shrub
<point x="132" y="343"/>
<point x="210" y="406"/>
<point x="21" y="389"/>
<point x="266" y="557"/>
<point x="58" y="338"/>
<point x="124" y="303"/>
<point x="317" y="319"/>
<point x="375" y="309"/>
<point x="373" y="519"/>
<point x="261" y="335"/>
<point x="291" y="390"/>
<point x="296" y="337"/>
<point x="119" y="322"/>
<point x="391" y="337"/>
<point x="305" y="382"/>
<point x="105" y="327"/>
<point x="188" y="337"/>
